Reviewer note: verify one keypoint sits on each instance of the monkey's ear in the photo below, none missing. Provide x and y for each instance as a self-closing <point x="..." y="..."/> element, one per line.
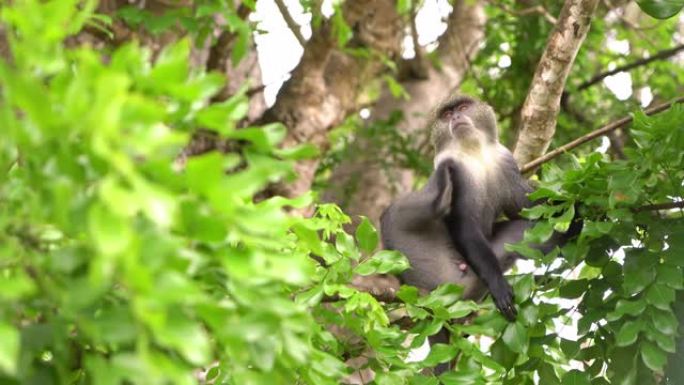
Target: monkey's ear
<point x="442" y="204"/>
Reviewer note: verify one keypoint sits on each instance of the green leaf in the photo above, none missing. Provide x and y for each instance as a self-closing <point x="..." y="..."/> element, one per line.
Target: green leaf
<point x="443" y="295"/>
<point x="203" y="172"/>
<point x="383" y="262"/>
<point x="310" y="297"/>
<point x="111" y="233"/>
<point x="171" y="67"/>
<point x="628" y="333"/>
<point x="366" y="235"/>
<point x="665" y="342"/>
<point x="9" y="349"/>
<point x="540" y="233"/>
<point x="345" y="245"/>
<point x="661" y="9"/>
<point x="462" y="308"/>
<point x="439" y="353"/>
<point x="180" y="329"/>
<point x="16" y="285"/>
<point x="660" y="296"/>
<point x="502" y="354"/>
<point x="569" y="347"/>
<point x="302" y="151"/>
<point x="547" y="375"/>
<point x="395" y="88"/>
<point x="389" y="378"/>
<point x="420" y="379"/>
<point x="222" y="117"/>
<point x="515" y="337"/>
<point x="623" y="307"/>
<point x="574" y="288"/>
<point x="408" y="294"/>
<point x="244" y="32"/>
<point x="463" y="376"/>
<point x="341" y="29"/>
<point x="639" y="271"/>
<point x="575" y="377"/>
<point x="309" y="238"/>
<point x="671" y="276"/>
<point x="664" y="321"/>
<point x="263" y="138"/>
<point x="524" y="285"/>
<point x="525" y="250"/>
<point x="562" y="223"/>
<point x="404" y="6"/>
<point x="653" y="356"/>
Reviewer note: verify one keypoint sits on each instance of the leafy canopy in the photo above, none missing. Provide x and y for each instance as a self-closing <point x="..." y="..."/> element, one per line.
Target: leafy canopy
<point x="117" y="268"/>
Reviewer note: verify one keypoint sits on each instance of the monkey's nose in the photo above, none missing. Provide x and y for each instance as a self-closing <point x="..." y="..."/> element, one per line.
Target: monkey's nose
<point x="459" y="116"/>
<point x="459" y="120"/>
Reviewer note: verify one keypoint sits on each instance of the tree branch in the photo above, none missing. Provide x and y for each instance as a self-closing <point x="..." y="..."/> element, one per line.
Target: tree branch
<point x="326" y="84"/>
<point x="291" y="23"/>
<point x="593" y="135"/>
<point x="658" y="56"/>
<point x="540" y="110"/>
<point x="660" y="206"/>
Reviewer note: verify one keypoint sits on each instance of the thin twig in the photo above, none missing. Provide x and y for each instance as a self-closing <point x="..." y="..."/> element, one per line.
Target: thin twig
<point x="414" y="33"/>
<point x="658" y="56"/>
<point x="593" y="135"/>
<point x="291" y="23"/>
<point x="660" y="206"/>
<point x="616" y="142"/>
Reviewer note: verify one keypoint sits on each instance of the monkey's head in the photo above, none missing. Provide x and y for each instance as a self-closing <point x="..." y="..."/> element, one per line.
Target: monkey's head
<point x="464" y="121"/>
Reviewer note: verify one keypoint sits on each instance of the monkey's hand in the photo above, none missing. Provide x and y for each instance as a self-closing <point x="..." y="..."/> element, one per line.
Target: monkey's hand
<point x="441" y="206"/>
<point x="502" y="292"/>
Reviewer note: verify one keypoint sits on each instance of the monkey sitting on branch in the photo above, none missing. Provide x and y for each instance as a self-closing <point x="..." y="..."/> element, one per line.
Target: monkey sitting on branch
<point x="453" y="218"/>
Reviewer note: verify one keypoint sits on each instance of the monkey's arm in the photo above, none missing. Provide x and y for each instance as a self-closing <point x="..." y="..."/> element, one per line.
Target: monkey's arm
<point x="430" y="203"/>
<point x="466" y="230"/>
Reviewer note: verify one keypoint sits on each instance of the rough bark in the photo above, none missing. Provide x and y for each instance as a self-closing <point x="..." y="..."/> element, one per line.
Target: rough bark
<point x="326" y="84"/>
<point x="540" y="110"/>
<point x="457" y="47"/>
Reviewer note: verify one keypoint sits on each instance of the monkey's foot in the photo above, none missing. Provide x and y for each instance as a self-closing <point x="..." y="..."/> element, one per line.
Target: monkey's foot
<point x="502" y="293"/>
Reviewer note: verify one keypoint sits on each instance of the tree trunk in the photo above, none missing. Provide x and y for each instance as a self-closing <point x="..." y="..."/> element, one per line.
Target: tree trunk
<point x="378" y="186"/>
<point x="327" y="84"/>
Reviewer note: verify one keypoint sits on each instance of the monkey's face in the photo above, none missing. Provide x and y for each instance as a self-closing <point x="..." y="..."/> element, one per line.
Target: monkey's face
<point x="466" y="122"/>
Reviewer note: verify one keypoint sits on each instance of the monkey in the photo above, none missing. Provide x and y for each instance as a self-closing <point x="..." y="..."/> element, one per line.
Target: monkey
<point x="486" y="183"/>
<point x="453" y="218"/>
<point x="415" y="225"/>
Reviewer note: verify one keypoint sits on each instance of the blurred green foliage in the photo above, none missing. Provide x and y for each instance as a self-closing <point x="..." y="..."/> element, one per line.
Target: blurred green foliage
<point x="117" y="268"/>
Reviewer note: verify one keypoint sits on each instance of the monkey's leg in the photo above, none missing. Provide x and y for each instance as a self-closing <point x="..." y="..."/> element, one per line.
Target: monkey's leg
<point x="465" y="230"/>
<point x="475" y="249"/>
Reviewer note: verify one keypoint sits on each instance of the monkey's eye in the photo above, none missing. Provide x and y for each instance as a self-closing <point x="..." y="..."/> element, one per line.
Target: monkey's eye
<point x="462" y="107"/>
<point x="446" y="114"/>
